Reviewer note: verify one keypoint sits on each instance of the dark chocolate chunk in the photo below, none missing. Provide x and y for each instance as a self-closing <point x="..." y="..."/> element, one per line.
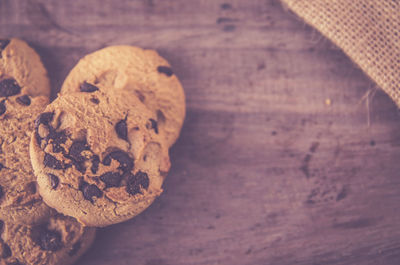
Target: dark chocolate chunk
<point x="44" y="118"/>
<point x="137" y="181"/>
<point x="57" y="148"/>
<point x="1" y="166"/>
<point x="58" y="138"/>
<point x="89" y="191"/>
<point x="80" y="166"/>
<point x="24" y="100"/>
<point x="52" y="162"/>
<point x="160" y="116"/>
<point x="6" y="251"/>
<point x="75" y="248"/>
<point x="86" y="87"/>
<point x="31" y="187"/>
<point x="75" y="155"/>
<point x="107" y="160"/>
<point x="1" y="192"/>
<point x="2" y="107"/>
<point x="49" y="240"/>
<point x="95" y="100"/>
<point x="3" y="44"/>
<point x="153" y="125"/>
<point x="122" y="129"/>
<point x="9" y="87"/>
<point x="125" y="162"/>
<point x="76" y="149"/>
<point x="95" y="164"/>
<point x="165" y="70"/>
<point x="54" y="181"/>
<point x="1" y="226"/>
<point x="111" y="179"/>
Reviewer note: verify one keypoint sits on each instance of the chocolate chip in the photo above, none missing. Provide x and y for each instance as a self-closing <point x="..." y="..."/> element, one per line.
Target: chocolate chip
<point x="106" y="160"/>
<point x="58" y="138"/>
<point x="95" y="100"/>
<point x="122" y="130"/>
<point x="49" y="240"/>
<point x="160" y="116"/>
<point x="44" y="118"/>
<point x="153" y="125"/>
<point x="1" y="226"/>
<point x="6" y="251"/>
<point x="24" y="100"/>
<point x="111" y="179"/>
<point x="125" y="162"/>
<point x="75" y="155"/>
<point x="54" y="180"/>
<point x="57" y="148"/>
<point x="76" y="149"/>
<point x="3" y="44"/>
<point x="80" y="166"/>
<point x="75" y="248"/>
<point x="9" y="87"/>
<point x="1" y="166"/>
<point x="137" y="181"/>
<point x="89" y="191"/>
<point x="1" y="192"/>
<point x="52" y="162"/>
<point x="95" y="164"/>
<point x="31" y="187"/>
<point x="2" y="107"/>
<point x="86" y="87"/>
<point x="165" y="70"/>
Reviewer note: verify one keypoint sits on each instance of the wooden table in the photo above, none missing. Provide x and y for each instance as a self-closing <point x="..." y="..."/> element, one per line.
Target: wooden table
<point x="289" y="153"/>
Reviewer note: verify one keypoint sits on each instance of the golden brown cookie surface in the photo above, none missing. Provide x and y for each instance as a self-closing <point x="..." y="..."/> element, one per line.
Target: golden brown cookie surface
<point x="24" y="90"/>
<point x="98" y="157"/>
<point x="141" y="72"/>
<point x="58" y="240"/>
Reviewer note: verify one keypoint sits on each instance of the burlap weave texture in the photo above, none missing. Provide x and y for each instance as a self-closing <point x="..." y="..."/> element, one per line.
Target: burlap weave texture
<point x="368" y="31"/>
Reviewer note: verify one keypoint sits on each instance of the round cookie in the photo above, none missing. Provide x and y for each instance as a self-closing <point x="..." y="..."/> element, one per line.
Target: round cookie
<point x="142" y="72"/>
<point x="98" y="157"/>
<point x="24" y="88"/>
<point x="19" y="200"/>
<point x="21" y="70"/>
<point x="59" y="240"/>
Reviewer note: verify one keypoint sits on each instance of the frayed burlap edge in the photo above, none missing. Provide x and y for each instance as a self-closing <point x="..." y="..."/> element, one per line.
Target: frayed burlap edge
<point x="368" y="31"/>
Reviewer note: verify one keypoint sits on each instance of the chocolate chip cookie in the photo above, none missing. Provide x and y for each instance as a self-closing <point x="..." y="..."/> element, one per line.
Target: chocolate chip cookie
<point x="24" y="90"/>
<point x="58" y="240"/>
<point x="142" y="72"/>
<point x="97" y="156"/>
<point x="21" y="71"/>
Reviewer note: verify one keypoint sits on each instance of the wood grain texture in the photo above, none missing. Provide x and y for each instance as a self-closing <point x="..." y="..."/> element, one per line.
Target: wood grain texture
<point x="265" y="171"/>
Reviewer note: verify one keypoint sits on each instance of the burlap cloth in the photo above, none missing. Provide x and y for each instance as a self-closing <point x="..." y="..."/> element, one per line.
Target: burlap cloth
<point x="368" y="31"/>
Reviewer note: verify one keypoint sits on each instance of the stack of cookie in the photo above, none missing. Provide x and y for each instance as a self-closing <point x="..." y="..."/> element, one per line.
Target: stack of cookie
<point x="98" y="153"/>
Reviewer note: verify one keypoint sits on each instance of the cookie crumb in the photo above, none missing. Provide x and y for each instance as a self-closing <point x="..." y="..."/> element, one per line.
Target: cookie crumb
<point x="328" y="101"/>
